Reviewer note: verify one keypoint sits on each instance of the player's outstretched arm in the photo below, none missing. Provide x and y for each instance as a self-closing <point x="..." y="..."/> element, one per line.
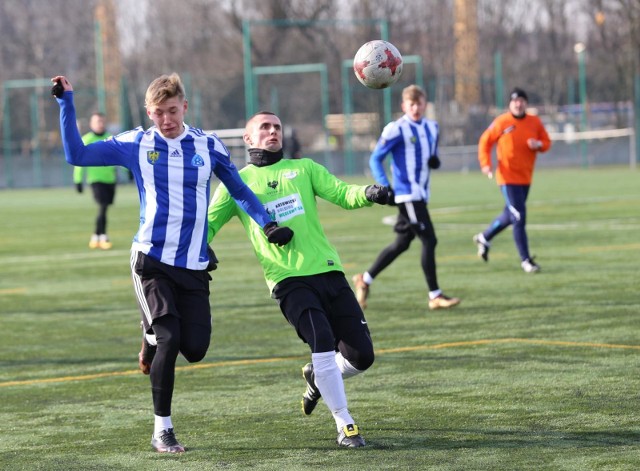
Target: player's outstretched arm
<point x="75" y="151"/>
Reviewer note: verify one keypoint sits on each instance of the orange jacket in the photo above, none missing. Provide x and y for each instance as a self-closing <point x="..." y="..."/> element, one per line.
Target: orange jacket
<point x="515" y="159"/>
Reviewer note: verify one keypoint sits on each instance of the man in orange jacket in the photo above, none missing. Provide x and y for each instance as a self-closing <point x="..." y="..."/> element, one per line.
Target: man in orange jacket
<point x="519" y="137"/>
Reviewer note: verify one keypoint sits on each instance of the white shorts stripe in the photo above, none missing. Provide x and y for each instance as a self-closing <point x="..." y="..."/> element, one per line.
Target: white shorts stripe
<point x="139" y="291"/>
<point x="411" y="212"/>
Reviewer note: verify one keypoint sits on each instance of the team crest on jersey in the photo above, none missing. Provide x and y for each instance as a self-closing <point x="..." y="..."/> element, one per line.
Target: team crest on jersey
<point x="413" y="139"/>
<point x="153" y="156"/>
<point x="197" y="161"/>
<point x="272" y="184"/>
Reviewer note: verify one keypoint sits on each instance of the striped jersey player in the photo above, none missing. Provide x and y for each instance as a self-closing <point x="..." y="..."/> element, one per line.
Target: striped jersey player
<point x="172" y="165"/>
<point x="412" y="142"/>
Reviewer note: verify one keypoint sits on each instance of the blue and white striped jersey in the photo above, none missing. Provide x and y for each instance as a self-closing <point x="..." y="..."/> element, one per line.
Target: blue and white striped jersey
<point x="173" y="177"/>
<point x="411" y="145"/>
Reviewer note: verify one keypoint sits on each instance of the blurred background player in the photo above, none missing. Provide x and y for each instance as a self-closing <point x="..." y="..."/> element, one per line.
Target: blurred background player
<point x="291" y="144"/>
<point x="102" y="180"/>
<point x="519" y="137"/>
<point x="306" y="277"/>
<point x="173" y="165"/>
<point x="412" y="141"/>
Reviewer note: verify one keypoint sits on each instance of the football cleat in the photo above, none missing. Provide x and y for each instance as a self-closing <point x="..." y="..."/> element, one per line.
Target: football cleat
<point x="350" y="437"/>
<point x="104" y="243"/>
<point x="312" y="395"/>
<point x="483" y="246"/>
<point x="94" y="242"/>
<point x="166" y="442"/>
<point x="529" y="266"/>
<point x="443" y="302"/>
<point x="145" y="357"/>
<point x="362" y="290"/>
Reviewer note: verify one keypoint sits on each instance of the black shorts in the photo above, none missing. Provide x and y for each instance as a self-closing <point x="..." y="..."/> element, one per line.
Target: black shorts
<point x="329" y="293"/>
<point x="413" y="219"/>
<point x="163" y="289"/>
<point x="104" y="193"/>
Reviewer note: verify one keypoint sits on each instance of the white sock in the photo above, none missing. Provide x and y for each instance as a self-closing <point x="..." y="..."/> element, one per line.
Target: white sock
<point x="435" y="294"/>
<point x="367" y="278"/>
<point x="161" y="423"/>
<point x="482" y="239"/>
<point x="346" y="368"/>
<point x="328" y="379"/>
<point x="151" y="339"/>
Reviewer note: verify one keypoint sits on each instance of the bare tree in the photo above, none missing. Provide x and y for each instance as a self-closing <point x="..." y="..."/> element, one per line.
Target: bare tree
<point x="34" y="45"/>
<point x="203" y="41"/>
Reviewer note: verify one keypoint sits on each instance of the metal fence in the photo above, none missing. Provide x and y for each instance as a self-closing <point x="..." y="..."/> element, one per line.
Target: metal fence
<point x="29" y="169"/>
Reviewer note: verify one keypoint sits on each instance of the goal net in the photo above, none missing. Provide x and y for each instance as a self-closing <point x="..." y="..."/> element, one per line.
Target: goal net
<point x="568" y="149"/>
<point x="592" y="148"/>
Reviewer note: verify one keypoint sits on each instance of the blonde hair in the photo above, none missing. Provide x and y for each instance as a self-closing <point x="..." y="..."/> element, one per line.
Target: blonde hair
<point x="413" y="93"/>
<point x="163" y="88"/>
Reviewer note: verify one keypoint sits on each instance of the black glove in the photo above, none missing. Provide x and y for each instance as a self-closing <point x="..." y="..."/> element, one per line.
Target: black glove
<point x="392" y="197"/>
<point x="57" y="90"/>
<point x="79" y="187"/>
<point x="434" y="162"/>
<point x="377" y="194"/>
<point x="280" y="235"/>
<point x="213" y="260"/>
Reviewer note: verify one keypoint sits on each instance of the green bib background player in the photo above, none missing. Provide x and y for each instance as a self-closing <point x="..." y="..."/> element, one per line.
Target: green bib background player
<point x="306" y="276"/>
<point x="102" y="181"/>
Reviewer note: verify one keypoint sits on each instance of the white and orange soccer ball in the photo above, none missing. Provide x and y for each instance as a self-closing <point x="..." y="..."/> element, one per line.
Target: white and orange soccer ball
<point x="377" y="64"/>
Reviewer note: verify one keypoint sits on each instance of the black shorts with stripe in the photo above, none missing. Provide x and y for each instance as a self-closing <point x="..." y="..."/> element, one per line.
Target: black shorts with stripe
<point x="163" y="289"/>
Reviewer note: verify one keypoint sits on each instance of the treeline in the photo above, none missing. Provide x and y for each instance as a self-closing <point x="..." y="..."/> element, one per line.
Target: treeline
<point x="529" y="43"/>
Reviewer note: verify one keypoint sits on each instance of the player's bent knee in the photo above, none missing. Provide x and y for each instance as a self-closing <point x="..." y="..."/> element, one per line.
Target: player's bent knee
<point x="194" y="355"/>
<point x="195" y="349"/>
<point x="363" y="360"/>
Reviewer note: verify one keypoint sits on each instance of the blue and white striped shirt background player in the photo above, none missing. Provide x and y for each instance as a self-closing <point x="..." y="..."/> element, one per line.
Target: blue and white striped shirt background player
<point x="412" y="144"/>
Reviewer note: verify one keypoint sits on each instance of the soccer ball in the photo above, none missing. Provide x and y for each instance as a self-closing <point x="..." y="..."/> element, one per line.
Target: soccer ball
<point x="377" y="64"/>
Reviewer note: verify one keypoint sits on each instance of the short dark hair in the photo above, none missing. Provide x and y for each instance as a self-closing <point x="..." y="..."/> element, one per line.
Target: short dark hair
<point x="261" y="112"/>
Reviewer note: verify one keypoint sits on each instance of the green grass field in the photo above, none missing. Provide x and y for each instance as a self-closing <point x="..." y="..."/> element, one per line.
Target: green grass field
<point x="529" y="372"/>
